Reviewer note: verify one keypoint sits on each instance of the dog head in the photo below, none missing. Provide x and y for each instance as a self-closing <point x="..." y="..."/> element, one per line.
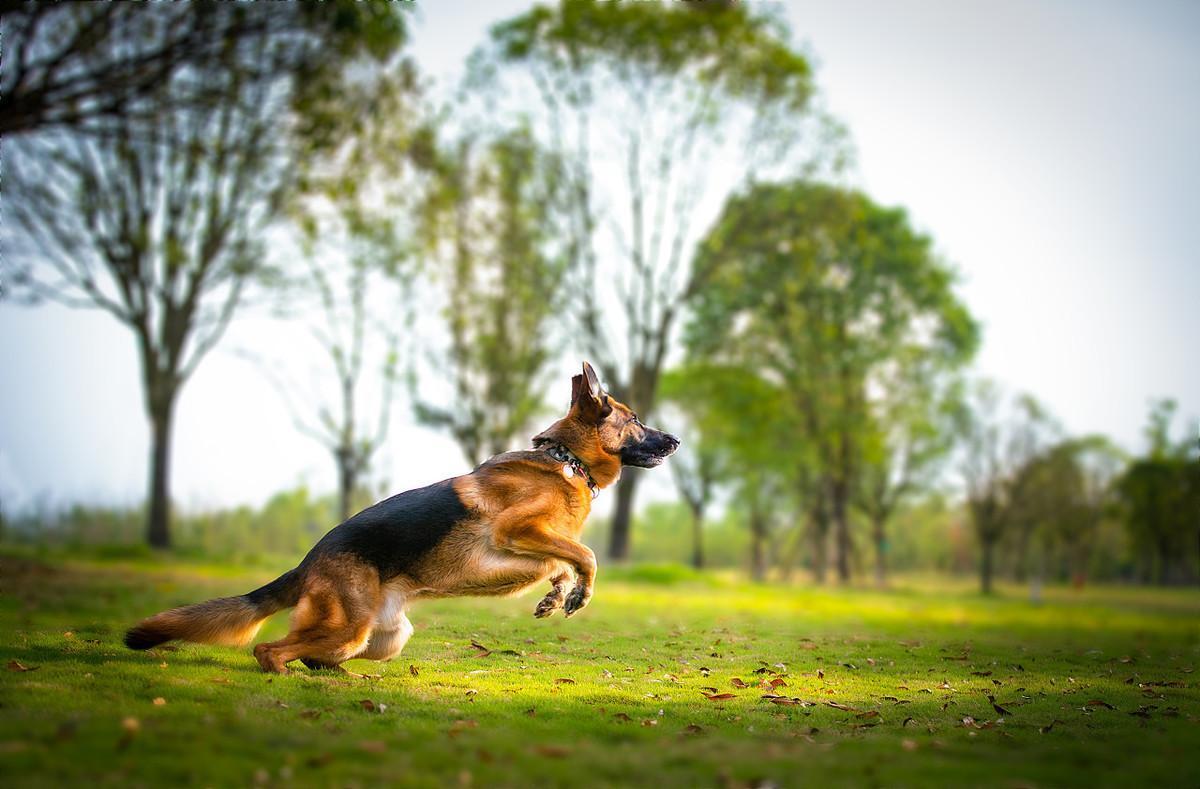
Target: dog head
<point x="604" y="433"/>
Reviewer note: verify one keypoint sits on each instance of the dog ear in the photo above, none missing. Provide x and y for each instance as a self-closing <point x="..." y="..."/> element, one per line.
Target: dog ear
<point x="593" y="381"/>
<point x="588" y="396"/>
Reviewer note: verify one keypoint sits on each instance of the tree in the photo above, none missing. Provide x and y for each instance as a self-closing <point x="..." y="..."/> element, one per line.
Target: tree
<point x="824" y="292"/>
<point x="157" y="221"/>
<point x="1000" y="436"/>
<point x="1055" y="510"/>
<point x="490" y="224"/>
<point x="96" y="67"/>
<point x="696" y="466"/>
<point x="1160" y="502"/>
<point x="354" y="286"/>
<point x="638" y="100"/>
<point x="907" y="437"/>
<point x="740" y="417"/>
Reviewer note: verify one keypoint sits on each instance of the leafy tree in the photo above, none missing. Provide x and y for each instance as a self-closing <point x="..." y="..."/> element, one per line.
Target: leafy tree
<point x="490" y="223"/>
<point x="157" y="221"/>
<point x="822" y="291"/>
<point x="739" y="414"/>
<point x="638" y="100"/>
<point x="1160" y="498"/>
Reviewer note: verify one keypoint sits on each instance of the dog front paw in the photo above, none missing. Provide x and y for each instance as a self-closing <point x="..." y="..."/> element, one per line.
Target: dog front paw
<point x="577" y="599"/>
<point x="548" y="604"/>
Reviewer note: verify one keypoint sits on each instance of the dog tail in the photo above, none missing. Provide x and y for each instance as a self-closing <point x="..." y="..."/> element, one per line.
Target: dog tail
<point x="226" y="620"/>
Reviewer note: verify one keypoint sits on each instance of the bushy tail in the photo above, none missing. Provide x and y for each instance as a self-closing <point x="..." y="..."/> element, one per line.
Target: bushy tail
<point x="225" y="620"/>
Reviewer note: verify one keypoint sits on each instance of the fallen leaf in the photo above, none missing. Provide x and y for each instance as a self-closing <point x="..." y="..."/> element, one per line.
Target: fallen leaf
<point x="564" y="681"/>
<point x="842" y="707"/>
<point x="778" y="682"/>
<point x="461" y="725"/>
<point x="371" y="706"/>
<point x="480" y="648"/>
<point x="621" y="716"/>
<point x="719" y="696"/>
<point x="650" y="722"/>
<point x="1100" y="703"/>
<point x="908" y="745"/>
<point x="868" y="714"/>
<point x="319" y="760"/>
<point x="981" y="673"/>
<point x="738" y="683"/>
<point x="416" y="672"/>
<point x="1046" y="729"/>
<point x="16" y="665"/>
<point x="906" y="722"/>
<point x="999" y="710"/>
<point x="708" y="689"/>
<point x="552" y="751"/>
<point x="692" y="728"/>
<point x="159" y="701"/>
<point x="820" y="674"/>
<point x="531" y="712"/>
<point x="129" y="729"/>
<point x="310" y="714"/>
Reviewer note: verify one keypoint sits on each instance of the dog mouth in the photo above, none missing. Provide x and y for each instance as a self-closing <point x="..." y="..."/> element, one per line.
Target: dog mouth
<point x="651" y="453"/>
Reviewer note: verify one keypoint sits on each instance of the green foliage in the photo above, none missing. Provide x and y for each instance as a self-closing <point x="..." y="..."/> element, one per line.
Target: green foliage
<point x="1160" y="503"/>
<point x="815" y="297"/>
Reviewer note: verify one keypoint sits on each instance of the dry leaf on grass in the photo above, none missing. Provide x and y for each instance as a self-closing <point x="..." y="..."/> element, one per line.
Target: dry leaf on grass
<point x="16" y="665"/>
<point x="720" y="696"/>
<point x="552" y="751"/>
<point x="459" y="726"/>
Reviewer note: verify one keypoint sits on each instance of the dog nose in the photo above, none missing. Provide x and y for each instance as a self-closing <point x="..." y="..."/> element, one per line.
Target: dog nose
<point x="672" y="440"/>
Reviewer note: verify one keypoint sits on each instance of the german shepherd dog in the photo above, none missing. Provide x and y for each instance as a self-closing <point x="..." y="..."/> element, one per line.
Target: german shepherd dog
<point x="510" y="524"/>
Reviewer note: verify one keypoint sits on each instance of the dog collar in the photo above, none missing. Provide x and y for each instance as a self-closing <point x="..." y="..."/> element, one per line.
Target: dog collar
<point x="574" y="465"/>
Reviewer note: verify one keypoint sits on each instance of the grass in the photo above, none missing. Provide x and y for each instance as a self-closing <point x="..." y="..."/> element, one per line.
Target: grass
<point x="1096" y="686"/>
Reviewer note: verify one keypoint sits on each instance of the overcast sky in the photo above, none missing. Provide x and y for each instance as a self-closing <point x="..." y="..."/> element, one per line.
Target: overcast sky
<point x="1049" y="147"/>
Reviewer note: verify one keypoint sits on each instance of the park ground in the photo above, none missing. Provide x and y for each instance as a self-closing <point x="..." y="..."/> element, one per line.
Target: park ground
<point x="668" y="678"/>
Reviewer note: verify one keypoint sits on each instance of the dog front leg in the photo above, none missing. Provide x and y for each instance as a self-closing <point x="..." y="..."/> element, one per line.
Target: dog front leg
<point x="539" y="540"/>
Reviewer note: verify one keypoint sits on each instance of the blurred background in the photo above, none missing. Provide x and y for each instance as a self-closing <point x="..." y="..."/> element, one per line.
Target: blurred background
<point x="916" y="283"/>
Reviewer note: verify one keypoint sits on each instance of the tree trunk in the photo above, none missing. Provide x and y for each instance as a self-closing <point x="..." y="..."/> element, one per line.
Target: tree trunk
<point x="758" y="546"/>
<point x="697" y="538"/>
<point x="881" y="547"/>
<point x="819" y="521"/>
<point x="158" y="531"/>
<point x="987" y="548"/>
<point x="841" y="525"/>
<point x="346" y="482"/>
<point x="618" y="538"/>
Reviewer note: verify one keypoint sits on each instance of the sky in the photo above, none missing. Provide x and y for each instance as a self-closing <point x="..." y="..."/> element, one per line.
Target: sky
<point x="1049" y="148"/>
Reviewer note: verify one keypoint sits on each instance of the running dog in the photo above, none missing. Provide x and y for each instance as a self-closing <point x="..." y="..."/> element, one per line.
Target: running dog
<point x="511" y="523"/>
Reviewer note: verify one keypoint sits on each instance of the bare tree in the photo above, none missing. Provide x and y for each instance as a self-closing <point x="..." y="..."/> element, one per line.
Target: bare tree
<point x="1001" y="435"/>
<point x="490" y="224"/>
<point x="695" y="467"/>
<point x="158" y="225"/>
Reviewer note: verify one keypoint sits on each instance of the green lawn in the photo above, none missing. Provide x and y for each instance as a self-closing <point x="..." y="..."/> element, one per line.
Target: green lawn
<point x="891" y="689"/>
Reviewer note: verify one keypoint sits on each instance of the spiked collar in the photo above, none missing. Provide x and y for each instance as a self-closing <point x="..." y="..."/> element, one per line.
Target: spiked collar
<point x="573" y="463"/>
